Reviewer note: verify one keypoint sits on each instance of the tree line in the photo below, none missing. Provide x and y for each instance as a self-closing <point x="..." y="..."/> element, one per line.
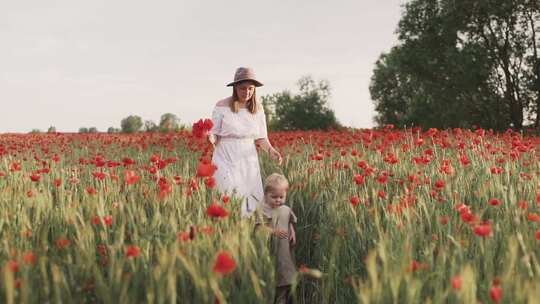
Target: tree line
<point x="306" y="109"/>
<point x="133" y="123"/>
<point x="462" y="63"/>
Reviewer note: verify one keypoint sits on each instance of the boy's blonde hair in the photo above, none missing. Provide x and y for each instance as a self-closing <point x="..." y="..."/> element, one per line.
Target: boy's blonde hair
<point x="274" y="181"/>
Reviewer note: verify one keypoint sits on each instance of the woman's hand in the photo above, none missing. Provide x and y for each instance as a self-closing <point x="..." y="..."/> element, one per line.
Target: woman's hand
<point x="213" y="139"/>
<point x="265" y="145"/>
<point x="276" y="155"/>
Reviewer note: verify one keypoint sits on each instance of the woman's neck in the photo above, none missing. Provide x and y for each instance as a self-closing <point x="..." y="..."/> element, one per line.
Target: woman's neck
<point x="242" y="104"/>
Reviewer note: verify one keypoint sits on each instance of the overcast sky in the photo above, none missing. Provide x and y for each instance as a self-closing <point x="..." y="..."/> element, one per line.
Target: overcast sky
<point x="72" y="64"/>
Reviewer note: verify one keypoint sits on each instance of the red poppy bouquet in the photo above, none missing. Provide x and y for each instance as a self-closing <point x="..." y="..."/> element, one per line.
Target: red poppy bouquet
<point x="201" y="128"/>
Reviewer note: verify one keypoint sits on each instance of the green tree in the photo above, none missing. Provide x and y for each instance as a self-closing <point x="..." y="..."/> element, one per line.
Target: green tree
<point x="131" y="124"/>
<point x="83" y="130"/>
<point x="51" y="129"/>
<point x="507" y="30"/>
<point x="459" y="63"/>
<point x="92" y="130"/>
<point x="168" y="122"/>
<point x="111" y="130"/>
<point x="306" y="110"/>
<point x="150" y="126"/>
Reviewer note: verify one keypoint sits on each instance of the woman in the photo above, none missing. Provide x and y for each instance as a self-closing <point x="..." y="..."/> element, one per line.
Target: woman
<point x="240" y="125"/>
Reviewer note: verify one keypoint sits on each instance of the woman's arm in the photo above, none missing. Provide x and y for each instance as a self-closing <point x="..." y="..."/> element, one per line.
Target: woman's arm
<point x="267" y="147"/>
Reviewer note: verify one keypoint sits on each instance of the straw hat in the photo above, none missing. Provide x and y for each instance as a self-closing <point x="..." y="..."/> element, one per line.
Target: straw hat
<point x="243" y="74"/>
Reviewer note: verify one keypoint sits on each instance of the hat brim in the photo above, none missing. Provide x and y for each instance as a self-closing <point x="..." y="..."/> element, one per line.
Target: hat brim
<point x="256" y="82"/>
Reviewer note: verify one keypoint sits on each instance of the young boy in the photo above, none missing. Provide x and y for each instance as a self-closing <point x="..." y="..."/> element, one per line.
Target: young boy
<point x="280" y="218"/>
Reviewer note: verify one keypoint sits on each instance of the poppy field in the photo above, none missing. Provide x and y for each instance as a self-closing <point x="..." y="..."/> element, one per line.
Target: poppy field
<point x="384" y="216"/>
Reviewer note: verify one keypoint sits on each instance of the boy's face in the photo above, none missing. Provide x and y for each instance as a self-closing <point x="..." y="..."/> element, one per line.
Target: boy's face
<point x="276" y="197"/>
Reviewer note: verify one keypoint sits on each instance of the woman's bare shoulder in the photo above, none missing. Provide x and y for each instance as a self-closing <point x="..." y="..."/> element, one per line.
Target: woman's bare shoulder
<point x="225" y="102"/>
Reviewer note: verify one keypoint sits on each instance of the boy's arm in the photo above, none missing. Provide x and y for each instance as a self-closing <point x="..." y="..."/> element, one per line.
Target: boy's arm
<point x="293" y="234"/>
<point x="282" y="234"/>
<point x="292" y="223"/>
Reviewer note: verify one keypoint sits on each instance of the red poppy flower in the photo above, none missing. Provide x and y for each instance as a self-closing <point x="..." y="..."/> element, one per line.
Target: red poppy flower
<point x="217" y="211"/>
<point x="303" y="269"/>
<point x="62" y="243"/>
<point x="99" y="175"/>
<point x="210" y="182"/>
<point x="494" y="202"/>
<point x="29" y="258"/>
<point x="390" y="158"/>
<point x="461" y="208"/>
<point x="359" y="179"/>
<point x="130" y="177"/>
<point x="127" y="161"/>
<point x="133" y="251"/>
<point x="468" y="217"/>
<point x="12" y="266"/>
<point x="35" y="177"/>
<point x="161" y="164"/>
<point x="91" y="190"/>
<point x="154" y="158"/>
<point x="362" y="164"/>
<point x="496" y="170"/>
<point x="183" y="236"/>
<point x="108" y="220"/>
<point x="178" y="180"/>
<point x="15" y="167"/>
<point x="457" y="282"/>
<point x="206" y="169"/>
<point x="496" y="293"/>
<point x="447" y="169"/>
<point x="165" y="188"/>
<point x="57" y="182"/>
<point x="382" y="179"/>
<point x="224" y="264"/>
<point x="318" y="157"/>
<point x="415" y="266"/>
<point x="439" y="184"/>
<point x="523" y="205"/>
<point x="464" y="160"/>
<point x="483" y="230"/>
<point x="96" y="220"/>
<point x="355" y="200"/>
<point x="44" y="171"/>
<point x="533" y="217"/>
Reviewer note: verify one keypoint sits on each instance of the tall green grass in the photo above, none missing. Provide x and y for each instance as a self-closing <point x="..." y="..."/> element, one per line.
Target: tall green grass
<point x="369" y="253"/>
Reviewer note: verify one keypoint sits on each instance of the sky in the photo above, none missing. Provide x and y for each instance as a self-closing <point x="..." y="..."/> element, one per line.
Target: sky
<point x="74" y="63"/>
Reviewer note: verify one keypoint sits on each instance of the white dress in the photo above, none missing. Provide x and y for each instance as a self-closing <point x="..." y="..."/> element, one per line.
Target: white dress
<point x="238" y="171"/>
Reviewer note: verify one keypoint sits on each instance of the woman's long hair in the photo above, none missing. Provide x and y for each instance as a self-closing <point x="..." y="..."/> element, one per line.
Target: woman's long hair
<point x="251" y="104"/>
